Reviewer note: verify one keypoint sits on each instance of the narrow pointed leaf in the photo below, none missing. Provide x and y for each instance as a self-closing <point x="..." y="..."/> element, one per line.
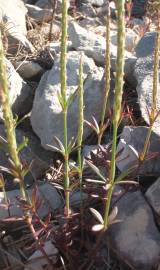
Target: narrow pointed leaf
<point x="91" y="126"/>
<point x="60" y="144"/>
<point x="97" y="215"/>
<point x="96" y="170"/>
<point x="56" y="149"/>
<point x="95" y="123"/>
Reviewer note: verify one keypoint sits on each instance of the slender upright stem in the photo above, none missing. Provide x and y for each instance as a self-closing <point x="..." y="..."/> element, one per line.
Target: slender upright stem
<point x="80" y="120"/>
<point x="63" y="76"/>
<point x="117" y="101"/>
<point x="107" y="75"/>
<point x="9" y="121"/>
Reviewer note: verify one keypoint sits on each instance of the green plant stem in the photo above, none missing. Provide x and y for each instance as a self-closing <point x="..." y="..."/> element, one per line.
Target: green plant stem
<point x="63" y="71"/>
<point x="66" y="167"/>
<point x="63" y="77"/>
<point x="9" y="122"/>
<point x="107" y="76"/>
<point x="117" y="102"/>
<point x="12" y="144"/>
<point x="80" y="121"/>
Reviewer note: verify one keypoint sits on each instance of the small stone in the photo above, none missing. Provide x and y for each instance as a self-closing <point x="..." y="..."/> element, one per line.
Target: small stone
<point x="28" y="69"/>
<point x="38" y="14"/>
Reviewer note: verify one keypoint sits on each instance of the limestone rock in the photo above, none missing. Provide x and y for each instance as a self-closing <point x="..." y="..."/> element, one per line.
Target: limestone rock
<point x="28" y="69"/>
<point x="47" y="117"/>
<point x="144" y="76"/>
<point x="12" y="18"/>
<point x="96" y="3"/>
<point x="47" y="194"/>
<point x="152" y="196"/>
<point x="131" y="145"/>
<point x="138" y="9"/>
<point x="131" y="39"/>
<point x="37" y="261"/>
<point x="20" y="93"/>
<point x="135" y="238"/>
<point x="94" y="46"/>
<point x="38" y="14"/>
<point x="16" y="13"/>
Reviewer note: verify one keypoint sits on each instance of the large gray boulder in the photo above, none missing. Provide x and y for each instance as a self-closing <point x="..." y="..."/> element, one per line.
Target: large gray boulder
<point x="130" y="146"/>
<point x="144" y="76"/>
<point x="135" y="238"/>
<point x="16" y="12"/>
<point x="47" y="116"/>
<point x="20" y="93"/>
<point x="12" y="17"/>
<point x="94" y="46"/>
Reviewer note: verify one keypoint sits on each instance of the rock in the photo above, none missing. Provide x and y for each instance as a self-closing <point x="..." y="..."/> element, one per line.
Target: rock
<point x="90" y="23"/>
<point x="88" y="149"/>
<point x="152" y="196"/>
<point x="16" y="13"/>
<point x="138" y="9"/>
<point x="33" y="152"/>
<point x="37" y="260"/>
<point x="47" y="117"/>
<point x="88" y="11"/>
<point x="48" y="4"/>
<point x="131" y="39"/>
<point x="103" y="10"/>
<point x="12" y="18"/>
<point x="11" y="258"/>
<point x="20" y="93"/>
<point x="135" y="238"/>
<point x="54" y="47"/>
<point x="76" y="197"/>
<point x="144" y="76"/>
<point x="46" y="193"/>
<point x="131" y="145"/>
<point x="28" y="69"/>
<point x="97" y="3"/>
<point x="38" y="14"/>
<point x="15" y="38"/>
<point x="94" y="46"/>
<point x="44" y="4"/>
